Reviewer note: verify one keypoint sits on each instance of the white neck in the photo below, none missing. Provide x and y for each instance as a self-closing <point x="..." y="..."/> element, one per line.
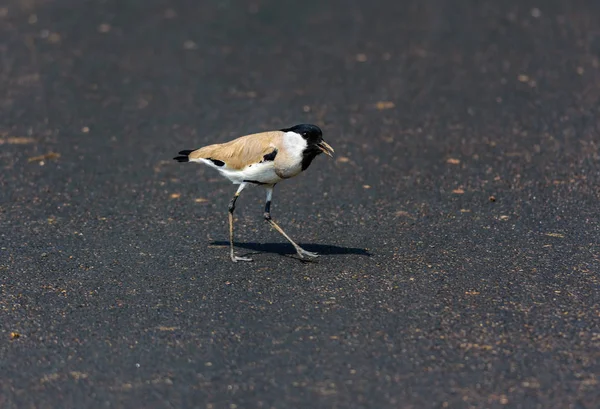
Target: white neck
<point x="294" y="144"/>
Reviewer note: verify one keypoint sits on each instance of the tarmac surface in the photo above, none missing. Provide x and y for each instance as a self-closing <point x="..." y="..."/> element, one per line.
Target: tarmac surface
<point x="457" y="225"/>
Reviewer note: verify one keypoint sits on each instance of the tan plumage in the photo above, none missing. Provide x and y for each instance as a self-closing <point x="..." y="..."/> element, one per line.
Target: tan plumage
<point x="262" y="159"/>
<point x="242" y="151"/>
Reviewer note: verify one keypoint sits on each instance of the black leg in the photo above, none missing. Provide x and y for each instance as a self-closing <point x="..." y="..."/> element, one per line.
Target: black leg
<point x="268" y="209"/>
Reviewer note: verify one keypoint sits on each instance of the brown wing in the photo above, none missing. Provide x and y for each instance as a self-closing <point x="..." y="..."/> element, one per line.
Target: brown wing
<point x="242" y="151"/>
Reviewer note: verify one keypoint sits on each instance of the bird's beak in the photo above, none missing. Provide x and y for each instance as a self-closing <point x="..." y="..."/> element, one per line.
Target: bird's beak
<point x="325" y="148"/>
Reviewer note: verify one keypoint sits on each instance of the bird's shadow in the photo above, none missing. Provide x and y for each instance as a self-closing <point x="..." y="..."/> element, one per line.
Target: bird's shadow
<point x="288" y="249"/>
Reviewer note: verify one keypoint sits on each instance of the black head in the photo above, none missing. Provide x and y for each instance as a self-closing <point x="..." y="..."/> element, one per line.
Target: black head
<point x="311" y="133"/>
<point x="315" y="145"/>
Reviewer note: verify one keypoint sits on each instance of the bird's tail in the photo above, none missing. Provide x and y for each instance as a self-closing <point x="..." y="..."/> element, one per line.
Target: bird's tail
<point x="185" y="157"/>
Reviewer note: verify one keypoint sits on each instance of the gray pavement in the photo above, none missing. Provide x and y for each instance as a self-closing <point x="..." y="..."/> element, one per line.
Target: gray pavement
<point x="458" y="224"/>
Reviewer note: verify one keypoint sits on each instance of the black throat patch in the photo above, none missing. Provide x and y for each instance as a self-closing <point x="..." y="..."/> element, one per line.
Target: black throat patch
<point x="308" y="155"/>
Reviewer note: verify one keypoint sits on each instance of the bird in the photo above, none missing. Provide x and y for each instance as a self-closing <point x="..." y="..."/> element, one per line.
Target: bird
<point x="263" y="159"/>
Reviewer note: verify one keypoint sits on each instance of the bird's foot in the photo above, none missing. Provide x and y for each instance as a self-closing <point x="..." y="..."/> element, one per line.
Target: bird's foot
<point x="303" y="253"/>
<point x="235" y="258"/>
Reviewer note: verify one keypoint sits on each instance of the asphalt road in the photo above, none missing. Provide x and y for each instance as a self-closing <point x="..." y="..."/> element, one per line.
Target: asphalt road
<point x="458" y="224"/>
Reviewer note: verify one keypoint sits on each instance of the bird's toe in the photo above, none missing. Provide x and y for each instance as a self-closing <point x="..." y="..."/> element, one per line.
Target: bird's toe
<point x="235" y="259"/>
<point x="303" y="253"/>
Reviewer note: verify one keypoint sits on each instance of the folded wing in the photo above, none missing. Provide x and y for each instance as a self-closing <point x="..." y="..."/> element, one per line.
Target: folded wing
<point x="242" y="151"/>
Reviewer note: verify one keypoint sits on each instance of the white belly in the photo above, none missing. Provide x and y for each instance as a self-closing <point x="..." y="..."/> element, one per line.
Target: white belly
<point x="258" y="173"/>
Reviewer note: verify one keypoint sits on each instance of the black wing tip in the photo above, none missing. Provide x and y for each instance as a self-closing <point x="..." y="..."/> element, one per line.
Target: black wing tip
<point x="184" y="158"/>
